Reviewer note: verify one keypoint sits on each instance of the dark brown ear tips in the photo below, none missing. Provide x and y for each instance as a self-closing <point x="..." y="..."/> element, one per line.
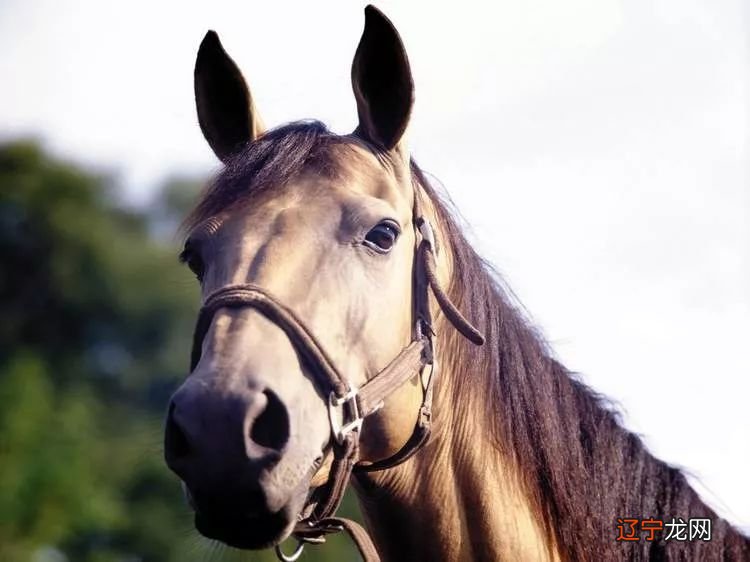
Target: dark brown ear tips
<point x="222" y="98"/>
<point x="382" y="81"/>
<point x="210" y="39"/>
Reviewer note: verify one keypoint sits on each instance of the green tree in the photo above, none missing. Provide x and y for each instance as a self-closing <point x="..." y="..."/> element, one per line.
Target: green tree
<point x="96" y="316"/>
<point x="95" y="323"/>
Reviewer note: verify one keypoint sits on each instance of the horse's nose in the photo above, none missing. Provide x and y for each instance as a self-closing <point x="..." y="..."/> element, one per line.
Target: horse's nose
<point x="215" y="433"/>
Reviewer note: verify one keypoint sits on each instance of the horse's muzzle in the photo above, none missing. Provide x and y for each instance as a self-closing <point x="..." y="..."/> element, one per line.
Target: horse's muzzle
<point x="224" y="446"/>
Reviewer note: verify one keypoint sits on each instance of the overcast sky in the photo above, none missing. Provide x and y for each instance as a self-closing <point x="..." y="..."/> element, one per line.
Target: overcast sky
<point x="599" y="151"/>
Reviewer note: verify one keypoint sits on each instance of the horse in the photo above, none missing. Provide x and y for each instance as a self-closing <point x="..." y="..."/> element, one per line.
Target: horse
<point x="349" y="333"/>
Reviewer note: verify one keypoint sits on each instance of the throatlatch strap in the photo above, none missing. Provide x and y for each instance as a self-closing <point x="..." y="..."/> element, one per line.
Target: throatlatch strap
<point x="408" y="364"/>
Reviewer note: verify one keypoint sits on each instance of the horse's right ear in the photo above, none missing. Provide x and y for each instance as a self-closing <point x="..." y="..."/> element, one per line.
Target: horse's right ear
<point x="226" y="112"/>
<point x="382" y="83"/>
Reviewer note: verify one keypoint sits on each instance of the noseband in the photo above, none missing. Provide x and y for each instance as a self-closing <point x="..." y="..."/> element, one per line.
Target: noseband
<point x="348" y="406"/>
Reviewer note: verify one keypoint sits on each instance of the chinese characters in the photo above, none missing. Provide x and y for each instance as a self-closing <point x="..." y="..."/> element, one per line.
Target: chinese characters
<point x="650" y="529"/>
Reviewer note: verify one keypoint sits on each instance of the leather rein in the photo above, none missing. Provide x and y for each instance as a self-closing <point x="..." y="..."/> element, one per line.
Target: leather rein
<point x="347" y="405"/>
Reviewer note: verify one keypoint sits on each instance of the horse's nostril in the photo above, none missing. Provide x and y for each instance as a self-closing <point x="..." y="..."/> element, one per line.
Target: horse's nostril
<point x="271" y="428"/>
<point x="176" y="445"/>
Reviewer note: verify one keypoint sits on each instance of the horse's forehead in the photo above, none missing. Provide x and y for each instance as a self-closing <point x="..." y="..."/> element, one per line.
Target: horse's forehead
<point x="357" y="179"/>
<point x="360" y="172"/>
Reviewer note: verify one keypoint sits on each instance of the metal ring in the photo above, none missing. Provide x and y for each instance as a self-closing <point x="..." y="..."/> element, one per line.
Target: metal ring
<point x="289" y="557"/>
<point x="341" y="429"/>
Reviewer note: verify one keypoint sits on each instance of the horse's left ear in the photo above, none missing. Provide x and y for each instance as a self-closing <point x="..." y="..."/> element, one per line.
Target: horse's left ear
<point x="382" y="83"/>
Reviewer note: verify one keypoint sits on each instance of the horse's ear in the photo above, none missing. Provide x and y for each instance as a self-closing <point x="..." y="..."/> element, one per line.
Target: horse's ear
<point x="226" y="112"/>
<point x="382" y="82"/>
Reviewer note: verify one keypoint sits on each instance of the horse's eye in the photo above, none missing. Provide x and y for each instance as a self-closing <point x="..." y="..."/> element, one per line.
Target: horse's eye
<point x="383" y="236"/>
<point x="194" y="262"/>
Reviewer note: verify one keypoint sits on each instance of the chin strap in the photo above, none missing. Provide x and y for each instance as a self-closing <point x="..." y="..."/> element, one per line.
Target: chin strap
<point x="315" y="535"/>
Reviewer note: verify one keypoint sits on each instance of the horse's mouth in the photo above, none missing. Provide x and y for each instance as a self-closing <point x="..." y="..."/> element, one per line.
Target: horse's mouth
<point x="247" y="532"/>
<point x="249" y="524"/>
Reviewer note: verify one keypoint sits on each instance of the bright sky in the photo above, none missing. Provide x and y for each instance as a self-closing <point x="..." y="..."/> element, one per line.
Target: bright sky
<point x="599" y="150"/>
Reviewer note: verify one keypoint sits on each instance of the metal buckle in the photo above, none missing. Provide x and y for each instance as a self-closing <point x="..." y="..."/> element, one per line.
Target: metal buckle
<point x="427" y="372"/>
<point x="290" y="557"/>
<point x="423" y="329"/>
<point x="428" y="234"/>
<point x="340" y="429"/>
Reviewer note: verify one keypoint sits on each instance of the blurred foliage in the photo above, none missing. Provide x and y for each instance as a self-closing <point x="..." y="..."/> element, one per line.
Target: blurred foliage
<point x="95" y="323"/>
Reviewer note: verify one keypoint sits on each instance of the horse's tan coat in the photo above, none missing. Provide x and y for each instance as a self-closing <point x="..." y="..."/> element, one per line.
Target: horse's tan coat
<point x="457" y="499"/>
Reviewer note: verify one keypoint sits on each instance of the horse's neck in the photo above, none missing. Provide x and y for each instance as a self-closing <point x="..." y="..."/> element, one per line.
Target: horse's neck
<point x="455" y="500"/>
<point x="458" y="498"/>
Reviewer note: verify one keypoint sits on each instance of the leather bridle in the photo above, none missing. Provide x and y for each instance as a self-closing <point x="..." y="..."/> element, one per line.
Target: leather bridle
<point x="347" y="405"/>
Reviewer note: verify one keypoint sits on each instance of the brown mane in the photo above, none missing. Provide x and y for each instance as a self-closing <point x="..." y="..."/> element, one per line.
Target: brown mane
<point x="582" y="468"/>
<point x="270" y="161"/>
